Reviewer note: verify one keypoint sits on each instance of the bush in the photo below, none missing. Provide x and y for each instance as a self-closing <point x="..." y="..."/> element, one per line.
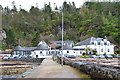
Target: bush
<point x="85" y="56"/>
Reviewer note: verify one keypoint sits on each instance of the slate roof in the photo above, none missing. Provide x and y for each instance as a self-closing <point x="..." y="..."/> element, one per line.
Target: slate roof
<point x="42" y="46"/>
<point x="89" y="40"/>
<point x="67" y="47"/>
<point x="29" y="48"/>
<point x="85" y="42"/>
<point x="58" y="43"/>
<point x="19" y="48"/>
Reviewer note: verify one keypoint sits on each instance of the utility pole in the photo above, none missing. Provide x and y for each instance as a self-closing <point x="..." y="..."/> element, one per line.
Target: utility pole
<point x="62" y="39"/>
<point x="62" y="36"/>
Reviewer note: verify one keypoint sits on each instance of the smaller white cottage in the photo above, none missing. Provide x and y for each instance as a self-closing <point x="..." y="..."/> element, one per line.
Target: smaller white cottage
<point x="42" y="50"/>
<point x="23" y="51"/>
<point x="100" y="45"/>
<point x="68" y="50"/>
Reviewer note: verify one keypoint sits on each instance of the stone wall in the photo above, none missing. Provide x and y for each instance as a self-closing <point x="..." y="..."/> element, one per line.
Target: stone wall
<point x="97" y="71"/>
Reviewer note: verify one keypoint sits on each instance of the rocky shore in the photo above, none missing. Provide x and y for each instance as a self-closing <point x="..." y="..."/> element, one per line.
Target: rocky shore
<point x="14" y="67"/>
<point x="17" y="69"/>
<point x="98" y="68"/>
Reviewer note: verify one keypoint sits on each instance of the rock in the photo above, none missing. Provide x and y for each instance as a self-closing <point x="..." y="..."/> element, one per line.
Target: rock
<point x="97" y="71"/>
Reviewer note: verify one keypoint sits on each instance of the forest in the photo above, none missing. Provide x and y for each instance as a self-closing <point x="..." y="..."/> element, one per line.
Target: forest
<point x="97" y="19"/>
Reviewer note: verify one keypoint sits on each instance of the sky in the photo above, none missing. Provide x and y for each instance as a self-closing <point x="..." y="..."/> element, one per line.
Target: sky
<point x="26" y="4"/>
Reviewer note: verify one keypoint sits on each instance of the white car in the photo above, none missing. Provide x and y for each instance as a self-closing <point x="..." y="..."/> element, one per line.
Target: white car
<point x="5" y="57"/>
<point x="70" y="55"/>
<point x="101" y="56"/>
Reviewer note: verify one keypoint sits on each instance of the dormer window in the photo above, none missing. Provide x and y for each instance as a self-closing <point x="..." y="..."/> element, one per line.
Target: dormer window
<point x="108" y="50"/>
<point x="92" y="43"/>
<point x="98" y="43"/>
<point x="67" y="51"/>
<point x="40" y="52"/>
<point x="108" y="43"/>
<point x="101" y="43"/>
<point x="95" y="43"/>
<point x="105" y="43"/>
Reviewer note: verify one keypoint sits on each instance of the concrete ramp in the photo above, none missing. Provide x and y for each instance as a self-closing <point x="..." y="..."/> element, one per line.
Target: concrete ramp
<point x="51" y="69"/>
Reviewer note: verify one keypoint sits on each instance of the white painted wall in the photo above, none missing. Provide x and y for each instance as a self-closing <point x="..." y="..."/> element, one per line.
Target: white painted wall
<point x="69" y="52"/>
<point x="78" y="50"/>
<point x="40" y="53"/>
<point x="97" y="47"/>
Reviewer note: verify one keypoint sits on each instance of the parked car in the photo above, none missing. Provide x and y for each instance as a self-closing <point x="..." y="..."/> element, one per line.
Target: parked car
<point x="13" y="57"/>
<point x="118" y="56"/>
<point x="70" y="55"/>
<point x="108" y="56"/>
<point x="22" y="57"/>
<point x="6" y="58"/>
<point x="29" y="57"/>
<point x="1" y="57"/>
<point x="93" y="56"/>
<point x="101" y="56"/>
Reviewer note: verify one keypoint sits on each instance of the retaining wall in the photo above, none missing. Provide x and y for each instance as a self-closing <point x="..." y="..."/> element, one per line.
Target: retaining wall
<point x="97" y="71"/>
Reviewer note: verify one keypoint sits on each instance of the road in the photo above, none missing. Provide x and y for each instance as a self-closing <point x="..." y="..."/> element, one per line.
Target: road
<point x="51" y="69"/>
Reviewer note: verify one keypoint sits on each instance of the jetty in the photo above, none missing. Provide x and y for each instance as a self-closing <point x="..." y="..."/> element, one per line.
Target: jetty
<point x="51" y="69"/>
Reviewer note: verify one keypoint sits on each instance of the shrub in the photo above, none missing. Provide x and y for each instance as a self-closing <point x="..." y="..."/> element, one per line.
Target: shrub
<point x="85" y="56"/>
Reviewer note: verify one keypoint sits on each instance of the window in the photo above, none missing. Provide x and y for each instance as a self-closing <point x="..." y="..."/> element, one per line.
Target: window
<point x="108" y="50"/>
<point x="95" y="43"/>
<point x="101" y="50"/>
<point x="67" y="51"/>
<point x="98" y="43"/>
<point x="108" y="43"/>
<point x="105" y="43"/>
<point x="82" y="49"/>
<point x="92" y="43"/>
<point x="40" y="52"/>
<point x="34" y="53"/>
<point x="102" y="43"/>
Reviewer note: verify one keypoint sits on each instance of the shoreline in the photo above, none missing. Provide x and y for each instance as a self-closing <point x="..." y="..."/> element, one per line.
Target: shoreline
<point x="97" y="68"/>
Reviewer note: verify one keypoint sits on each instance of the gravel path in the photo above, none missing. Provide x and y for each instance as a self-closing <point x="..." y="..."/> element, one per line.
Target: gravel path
<point x="51" y="69"/>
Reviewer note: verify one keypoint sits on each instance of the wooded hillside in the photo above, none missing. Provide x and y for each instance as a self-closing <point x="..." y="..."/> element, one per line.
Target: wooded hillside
<point x="98" y="19"/>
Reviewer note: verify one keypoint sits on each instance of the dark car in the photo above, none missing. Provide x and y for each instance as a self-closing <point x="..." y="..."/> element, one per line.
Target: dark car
<point x="93" y="56"/>
<point x="118" y="56"/>
<point x="108" y="56"/>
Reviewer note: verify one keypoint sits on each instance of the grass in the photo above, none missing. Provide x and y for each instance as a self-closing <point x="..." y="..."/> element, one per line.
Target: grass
<point x="82" y="75"/>
<point x="85" y="56"/>
<point x="0" y="45"/>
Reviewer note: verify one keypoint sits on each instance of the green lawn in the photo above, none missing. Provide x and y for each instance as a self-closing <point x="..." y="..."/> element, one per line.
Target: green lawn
<point x="0" y="45"/>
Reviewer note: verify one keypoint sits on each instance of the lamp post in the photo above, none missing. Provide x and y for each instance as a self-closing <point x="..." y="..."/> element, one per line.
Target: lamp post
<point x="62" y="40"/>
<point x="62" y="36"/>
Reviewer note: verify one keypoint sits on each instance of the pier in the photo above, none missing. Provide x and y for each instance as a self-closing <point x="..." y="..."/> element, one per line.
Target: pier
<point x="52" y="69"/>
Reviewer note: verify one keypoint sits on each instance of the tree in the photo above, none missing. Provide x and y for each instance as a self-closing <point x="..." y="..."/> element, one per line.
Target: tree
<point x="14" y="9"/>
<point x="10" y="38"/>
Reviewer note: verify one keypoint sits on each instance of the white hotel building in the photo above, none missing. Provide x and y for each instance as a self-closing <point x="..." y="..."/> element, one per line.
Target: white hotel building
<point x="102" y="46"/>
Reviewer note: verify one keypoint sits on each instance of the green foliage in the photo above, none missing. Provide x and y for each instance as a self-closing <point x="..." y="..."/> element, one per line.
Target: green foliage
<point x="94" y="52"/>
<point x="96" y="19"/>
<point x="0" y="45"/>
<point x="85" y="56"/>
